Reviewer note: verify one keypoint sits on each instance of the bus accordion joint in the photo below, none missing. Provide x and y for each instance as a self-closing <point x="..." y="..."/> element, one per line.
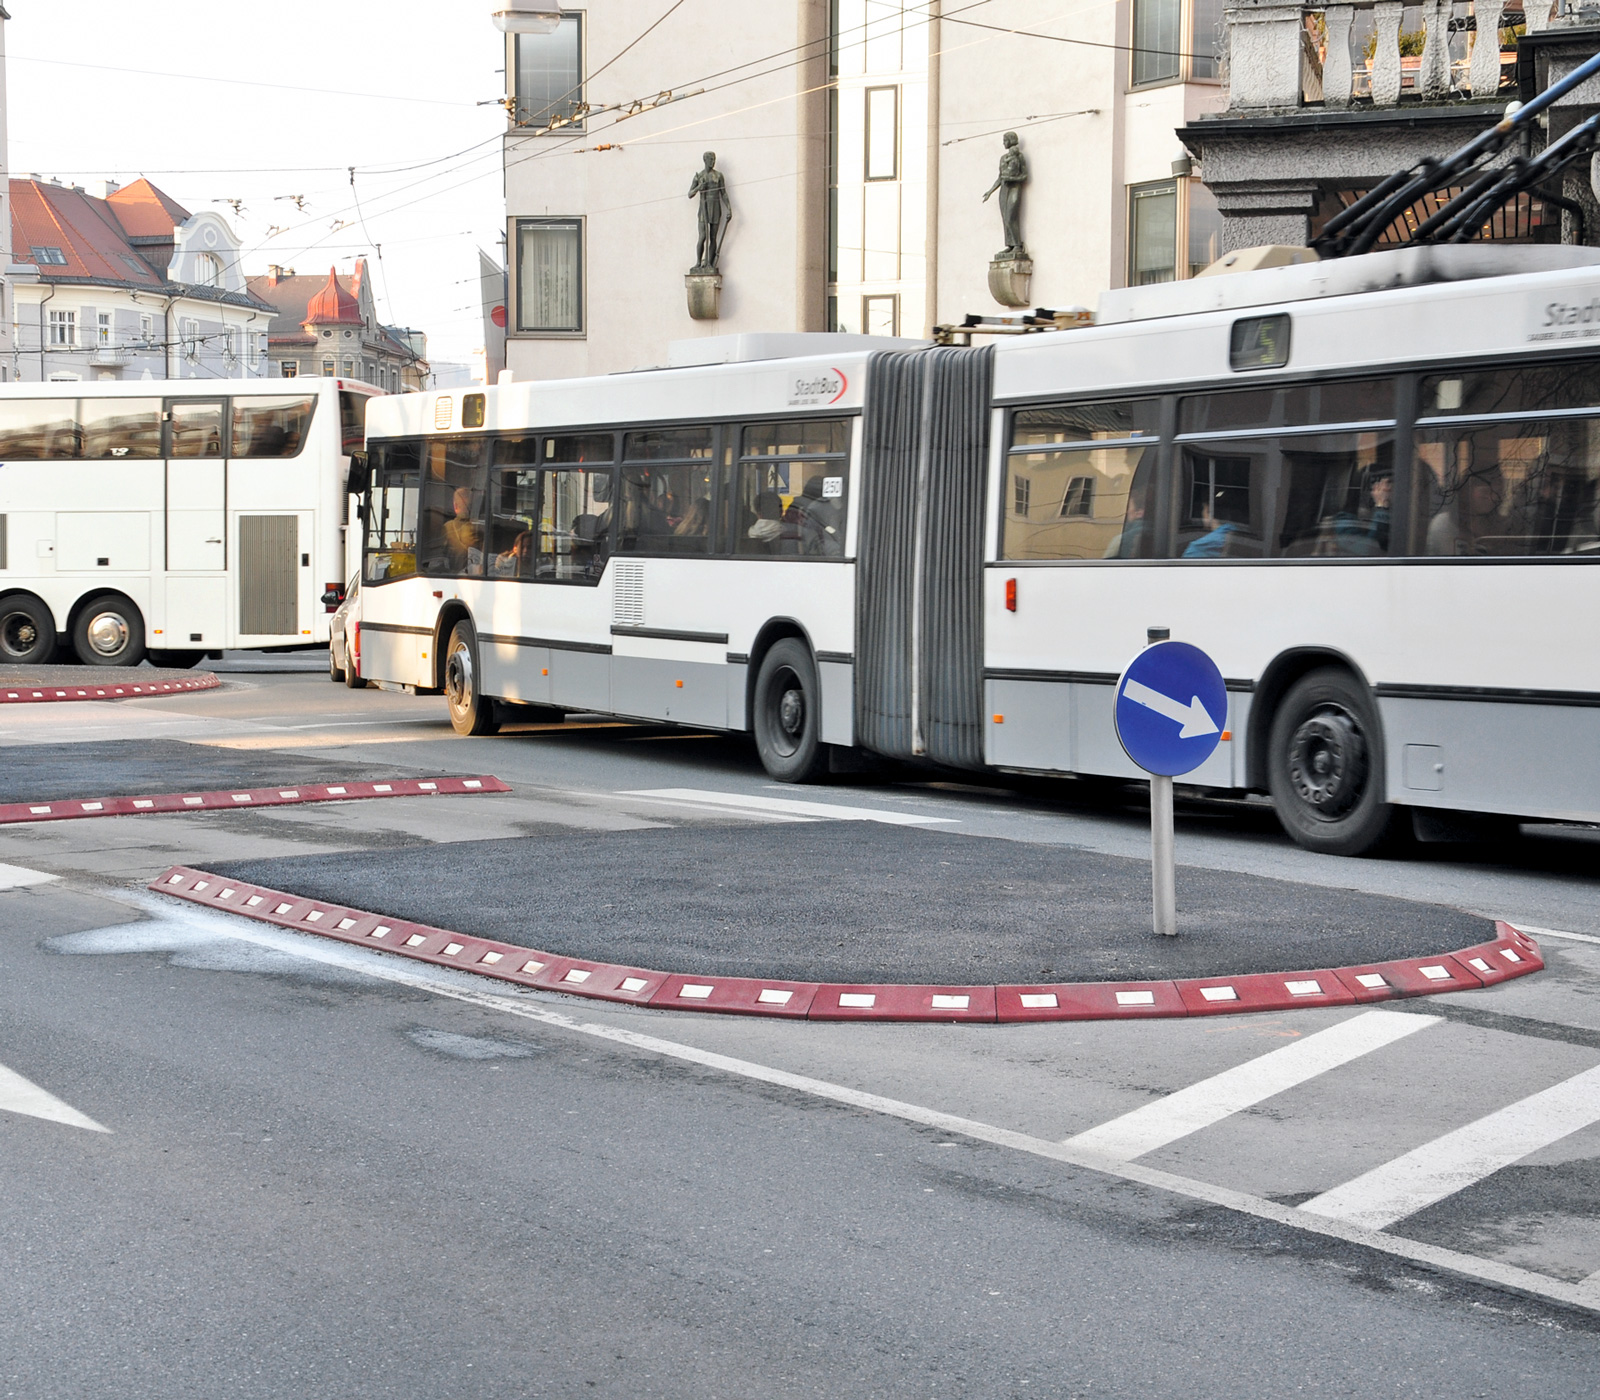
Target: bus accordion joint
<point x="1011" y="595"/>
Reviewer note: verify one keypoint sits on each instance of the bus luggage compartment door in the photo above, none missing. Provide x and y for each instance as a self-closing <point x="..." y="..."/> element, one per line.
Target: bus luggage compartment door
<point x="196" y="502"/>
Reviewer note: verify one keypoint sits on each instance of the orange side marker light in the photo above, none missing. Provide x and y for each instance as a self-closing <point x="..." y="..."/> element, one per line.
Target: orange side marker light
<point x="1226" y="735"/>
<point x="999" y="719"/>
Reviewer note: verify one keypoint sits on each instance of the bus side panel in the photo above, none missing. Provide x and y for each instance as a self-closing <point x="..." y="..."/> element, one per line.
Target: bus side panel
<point x="580" y="680"/>
<point x="1454" y="754"/>
<point x="683" y="691"/>
<point x="514" y="670"/>
<point x="397" y="631"/>
<point x="838" y="682"/>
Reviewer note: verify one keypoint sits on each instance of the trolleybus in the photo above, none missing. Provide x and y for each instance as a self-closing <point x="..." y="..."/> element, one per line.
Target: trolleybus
<point x="173" y="519"/>
<point x="1368" y="488"/>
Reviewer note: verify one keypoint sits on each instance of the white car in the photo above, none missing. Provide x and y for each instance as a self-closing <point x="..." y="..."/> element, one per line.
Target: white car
<point x="344" y="636"/>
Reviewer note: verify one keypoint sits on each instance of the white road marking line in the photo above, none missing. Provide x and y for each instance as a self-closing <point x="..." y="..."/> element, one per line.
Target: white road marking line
<point x="703" y="808"/>
<point x="1211" y="1100"/>
<point x="19" y="1095"/>
<point x="1538" y="932"/>
<point x="460" y="986"/>
<point x="1378" y="1198"/>
<point x="1591" y="1287"/>
<point x="18" y="877"/>
<point x="788" y="806"/>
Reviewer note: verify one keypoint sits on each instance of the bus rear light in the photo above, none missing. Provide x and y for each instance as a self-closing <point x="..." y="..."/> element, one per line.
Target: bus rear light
<point x="1011" y="595"/>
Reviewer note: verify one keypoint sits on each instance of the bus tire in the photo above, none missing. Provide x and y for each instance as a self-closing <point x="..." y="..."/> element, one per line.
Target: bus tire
<point x="178" y="660"/>
<point x="27" y="631"/>
<point x="471" y="711"/>
<point x="109" y="632"/>
<point x="351" y="680"/>
<point x="1325" y="765"/>
<point x="788" y="714"/>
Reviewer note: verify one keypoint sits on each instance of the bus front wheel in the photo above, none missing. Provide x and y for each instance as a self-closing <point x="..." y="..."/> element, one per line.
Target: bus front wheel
<point x="471" y="711"/>
<point x="109" y="632"/>
<point x="27" y="631"/>
<point x="788" y="714"/>
<point x="1325" y="765"/>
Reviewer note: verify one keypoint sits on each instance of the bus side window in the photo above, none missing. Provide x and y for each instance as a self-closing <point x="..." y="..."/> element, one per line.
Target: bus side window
<point x="1335" y="494"/>
<point x="1219" y="513"/>
<point x="451" y="514"/>
<point x="38" y="430"/>
<point x="273" y="427"/>
<point x="121" y="428"/>
<point x="792" y="494"/>
<point x="195" y="428"/>
<point x="391" y="551"/>
<point x="352" y="421"/>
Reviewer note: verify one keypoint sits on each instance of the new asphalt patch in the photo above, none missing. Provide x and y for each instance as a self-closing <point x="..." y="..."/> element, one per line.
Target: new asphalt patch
<point x="848" y="902"/>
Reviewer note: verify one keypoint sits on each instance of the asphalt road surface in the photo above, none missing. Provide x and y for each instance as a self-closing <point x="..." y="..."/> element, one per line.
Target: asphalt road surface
<point x="245" y="1162"/>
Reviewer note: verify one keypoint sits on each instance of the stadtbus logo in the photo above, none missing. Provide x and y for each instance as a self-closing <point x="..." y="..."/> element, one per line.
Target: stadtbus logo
<point x="1563" y="320"/>
<point x="817" y="386"/>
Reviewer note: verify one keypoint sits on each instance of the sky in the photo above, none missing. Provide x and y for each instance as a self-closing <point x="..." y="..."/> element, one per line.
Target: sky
<point x="267" y="104"/>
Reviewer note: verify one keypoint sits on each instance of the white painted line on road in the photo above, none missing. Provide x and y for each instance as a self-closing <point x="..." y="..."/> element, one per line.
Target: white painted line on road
<point x="18" y="877"/>
<point x="1427" y="1174"/>
<point x="463" y="987"/>
<point x="1555" y="933"/>
<point x="19" y="1095"/>
<point x="1211" y="1100"/>
<point x="788" y="806"/>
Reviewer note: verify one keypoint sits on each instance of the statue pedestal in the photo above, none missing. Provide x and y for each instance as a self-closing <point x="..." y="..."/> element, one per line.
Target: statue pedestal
<point x="1008" y="280"/>
<point x="704" y="290"/>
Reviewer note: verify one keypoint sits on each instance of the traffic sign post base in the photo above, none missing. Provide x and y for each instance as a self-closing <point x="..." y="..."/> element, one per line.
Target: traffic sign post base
<point x="1163" y="860"/>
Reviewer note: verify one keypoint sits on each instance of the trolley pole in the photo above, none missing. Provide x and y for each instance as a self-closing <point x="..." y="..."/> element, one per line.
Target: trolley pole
<point x="1163" y="857"/>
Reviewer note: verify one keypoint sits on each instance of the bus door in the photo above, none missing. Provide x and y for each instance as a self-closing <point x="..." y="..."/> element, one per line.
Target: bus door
<point x="196" y="516"/>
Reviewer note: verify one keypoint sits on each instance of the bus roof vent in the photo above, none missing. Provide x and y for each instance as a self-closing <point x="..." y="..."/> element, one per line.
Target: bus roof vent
<point x="739" y="349"/>
<point x="1338" y="277"/>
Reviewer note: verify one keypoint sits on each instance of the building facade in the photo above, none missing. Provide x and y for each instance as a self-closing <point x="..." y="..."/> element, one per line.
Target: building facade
<point x="5" y="216"/>
<point x="855" y="140"/>
<point x="329" y="327"/>
<point x="127" y="284"/>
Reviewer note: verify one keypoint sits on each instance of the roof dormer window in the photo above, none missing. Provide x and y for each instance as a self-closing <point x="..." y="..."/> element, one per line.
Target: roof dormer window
<point x="208" y="270"/>
<point x="52" y="257"/>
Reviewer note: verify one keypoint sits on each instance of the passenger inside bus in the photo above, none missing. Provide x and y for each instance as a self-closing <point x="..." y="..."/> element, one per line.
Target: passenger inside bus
<point x="768" y="524"/>
<point x="1221" y="518"/>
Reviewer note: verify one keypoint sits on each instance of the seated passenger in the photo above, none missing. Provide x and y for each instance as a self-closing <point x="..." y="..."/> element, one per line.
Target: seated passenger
<point x="818" y="520"/>
<point x="462" y="535"/>
<point x="769" y="518"/>
<point x="516" y="562"/>
<point x="1471" y="513"/>
<point x="696" y="521"/>
<point x="1214" y="543"/>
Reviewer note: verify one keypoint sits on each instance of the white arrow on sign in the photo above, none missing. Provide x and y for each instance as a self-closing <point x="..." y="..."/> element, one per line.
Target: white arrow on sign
<point x="1192" y="717"/>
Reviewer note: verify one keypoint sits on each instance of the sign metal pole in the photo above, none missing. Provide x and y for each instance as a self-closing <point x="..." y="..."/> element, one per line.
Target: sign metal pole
<point x="1163" y="858"/>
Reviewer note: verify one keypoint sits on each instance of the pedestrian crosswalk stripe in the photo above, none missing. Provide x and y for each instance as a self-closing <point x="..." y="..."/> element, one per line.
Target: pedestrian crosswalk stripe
<point x="788" y="806"/>
<point x="1211" y="1100"/>
<point x="1416" y="1180"/>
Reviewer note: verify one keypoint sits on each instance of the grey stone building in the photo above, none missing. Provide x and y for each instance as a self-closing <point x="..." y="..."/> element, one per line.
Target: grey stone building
<point x="1326" y="100"/>
<point x="329" y="327"/>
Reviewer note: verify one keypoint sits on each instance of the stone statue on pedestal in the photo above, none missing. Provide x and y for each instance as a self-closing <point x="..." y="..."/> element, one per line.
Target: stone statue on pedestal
<point x="715" y="211"/>
<point x="1013" y="175"/>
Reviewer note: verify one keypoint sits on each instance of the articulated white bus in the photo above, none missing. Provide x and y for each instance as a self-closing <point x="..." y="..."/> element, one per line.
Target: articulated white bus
<point x="172" y="519"/>
<point x="1368" y="488"/>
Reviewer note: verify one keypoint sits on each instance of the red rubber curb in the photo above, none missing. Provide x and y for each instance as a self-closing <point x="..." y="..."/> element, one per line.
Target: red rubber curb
<point x="75" y="809"/>
<point x="41" y="694"/>
<point x="1511" y="953"/>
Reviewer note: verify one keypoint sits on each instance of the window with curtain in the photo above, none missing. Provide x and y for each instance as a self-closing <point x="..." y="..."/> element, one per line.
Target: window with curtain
<point x="550" y="74"/>
<point x="1157" y="40"/>
<point x="550" y="275"/>
<point x="1152" y="233"/>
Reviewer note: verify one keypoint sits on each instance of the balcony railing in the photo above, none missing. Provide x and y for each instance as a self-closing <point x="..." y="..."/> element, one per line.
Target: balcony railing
<point x="1358" y="54"/>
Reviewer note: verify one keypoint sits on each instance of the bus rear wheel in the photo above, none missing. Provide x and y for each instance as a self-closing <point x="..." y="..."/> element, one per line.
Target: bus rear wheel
<point x="788" y="714"/>
<point x="1325" y="765"/>
<point x="471" y="711"/>
<point x="109" y="632"/>
<point x="27" y="631"/>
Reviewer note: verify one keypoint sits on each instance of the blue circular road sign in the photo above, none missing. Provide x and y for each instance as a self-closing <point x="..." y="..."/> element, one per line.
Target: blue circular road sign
<point x="1171" y="708"/>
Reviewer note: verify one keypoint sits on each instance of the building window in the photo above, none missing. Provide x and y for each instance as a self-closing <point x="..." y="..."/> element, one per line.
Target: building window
<point x="50" y="257"/>
<point x="1021" y="491"/>
<point x="208" y="270"/>
<point x="550" y="75"/>
<point x="147" y="329"/>
<point x="327" y="369"/>
<point x="1079" y="497"/>
<point x="289" y="369"/>
<point x="63" y="327"/>
<point x="880" y="315"/>
<point x="230" y="344"/>
<point x="102" y="328"/>
<point x="883" y="133"/>
<point x="1206" y="45"/>
<point x="1152" y="233"/>
<point x="191" y="338"/>
<point x="1157" y="41"/>
<point x="550" y="275"/>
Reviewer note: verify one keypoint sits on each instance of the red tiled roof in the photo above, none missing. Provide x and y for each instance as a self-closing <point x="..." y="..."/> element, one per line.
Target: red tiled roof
<point x="85" y="230"/>
<point x="333" y="305"/>
<point x="145" y="212"/>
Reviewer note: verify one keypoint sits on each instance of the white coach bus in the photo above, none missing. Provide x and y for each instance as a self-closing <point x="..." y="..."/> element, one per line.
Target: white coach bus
<point x="1368" y="488"/>
<point x="172" y="519"/>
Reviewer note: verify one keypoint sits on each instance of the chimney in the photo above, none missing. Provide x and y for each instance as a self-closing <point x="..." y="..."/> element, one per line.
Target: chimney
<point x="104" y="189"/>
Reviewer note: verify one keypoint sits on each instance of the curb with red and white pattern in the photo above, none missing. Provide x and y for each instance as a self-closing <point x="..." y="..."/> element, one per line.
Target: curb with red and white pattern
<point x="41" y="694"/>
<point x="74" y="809"/>
<point x="1511" y="953"/>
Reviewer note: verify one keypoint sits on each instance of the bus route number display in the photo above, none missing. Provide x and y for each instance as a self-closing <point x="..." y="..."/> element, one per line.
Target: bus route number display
<point x="1170" y="708"/>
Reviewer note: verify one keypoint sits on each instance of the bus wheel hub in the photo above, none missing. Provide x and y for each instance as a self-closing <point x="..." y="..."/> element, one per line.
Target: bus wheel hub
<point x="792" y="712"/>
<point x="1328" y="763"/>
<point x="108" y="634"/>
<point x="458" y="678"/>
